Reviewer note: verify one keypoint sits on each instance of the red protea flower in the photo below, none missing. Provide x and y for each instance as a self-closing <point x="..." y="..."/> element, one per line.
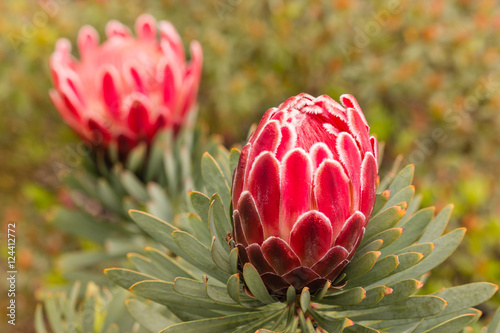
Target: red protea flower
<point x="126" y="89"/>
<point x="304" y="190"/>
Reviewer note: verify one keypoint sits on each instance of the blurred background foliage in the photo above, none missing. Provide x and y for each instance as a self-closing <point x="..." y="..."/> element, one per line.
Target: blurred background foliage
<point x="426" y="74"/>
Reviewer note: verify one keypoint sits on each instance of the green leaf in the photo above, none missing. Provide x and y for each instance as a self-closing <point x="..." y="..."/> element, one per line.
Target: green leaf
<point x="382" y="267"/>
<point x="405" y="195"/>
<point x="437" y="226"/>
<point x="403" y="179"/>
<point x="53" y="313"/>
<point x="362" y="265"/>
<point x="401" y="291"/>
<point x="412" y="229"/>
<point x="218" y="293"/>
<point x="221" y="324"/>
<point x="201" y="204"/>
<point x="423" y="248"/>
<point x="136" y="157"/>
<point x="255" y="284"/>
<point x="318" y="296"/>
<point x="345" y="297"/>
<point x="384" y="220"/>
<point x="214" y="179"/>
<point x="146" y="266"/>
<point x="305" y="299"/>
<point x="391" y="174"/>
<point x="108" y="196"/>
<point x="387" y="237"/>
<point x="233" y="260"/>
<point x="467" y="295"/>
<point x="444" y="247"/>
<point x="494" y="326"/>
<point x="257" y="326"/>
<point x="305" y="324"/>
<point x="190" y="287"/>
<point x="218" y="223"/>
<point x="412" y="307"/>
<point x="290" y="295"/>
<point x="159" y="204"/>
<point x="412" y="208"/>
<point x="219" y="257"/>
<point x="233" y="288"/>
<point x="407" y="260"/>
<point x="163" y="293"/>
<point x="156" y="228"/>
<point x="372" y="246"/>
<point x="453" y="325"/>
<point x="39" y="322"/>
<point x="126" y="278"/>
<point x="134" y="186"/>
<point x="380" y="201"/>
<point x="199" y="229"/>
<point x="328" y="323"/>
<point x="357" y="328"/>
<point x="234" y="158"/>
<point x="199" y="253"/>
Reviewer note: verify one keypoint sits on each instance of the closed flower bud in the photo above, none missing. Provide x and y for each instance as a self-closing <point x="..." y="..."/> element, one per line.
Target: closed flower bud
<point x="303" y="191"/>
<point x="128" y="88"/>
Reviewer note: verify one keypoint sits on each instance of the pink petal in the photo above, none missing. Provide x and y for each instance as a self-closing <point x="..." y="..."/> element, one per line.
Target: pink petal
<point x="350" y="157"/>
<point x="242" y="255"/>
<point x="257" y="259"/>
<point x="250" y="219"/>
<point x="169" y="34"/>
<point x="110" y="91"/>
<point x="319" y="152"/>
<point x="71" y="102"/>
<point x="330" y="260"/>
<point x="264" y="185"/>
<point x="274" y="281"/>
<point x="332" y="107"/>
<point x="331" y="190"/>
<point x="359" y="130"/>
<point x="288" y="140"/>
<point x="145" y="27"/>
<point x="351" y="232"/>
<point x="350" y="102"/>
<point x="296" y="186"/>
<point x="88" y="40"/>
<point x="239" y="174"/>
<point x="279" y="255"/>
<point x="374" y="144"/>
<point x="368" y="185"/>
<point x="262" y="123"/>
<point x="116" y="29"/>
<point x="239" y="236"/>
<point x="311" y="237"/>
<point x="138" y="116"/>
<point x="337" y="270"/>
<point x="171" y="86"/>
<point x="268" y="140"/>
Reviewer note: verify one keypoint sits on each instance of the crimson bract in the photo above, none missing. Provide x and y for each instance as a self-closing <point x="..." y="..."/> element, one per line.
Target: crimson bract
<point x="303" y="191"/>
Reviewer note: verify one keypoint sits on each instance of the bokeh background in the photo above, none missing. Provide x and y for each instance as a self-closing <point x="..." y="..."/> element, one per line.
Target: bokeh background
<point x="426" y="73"/>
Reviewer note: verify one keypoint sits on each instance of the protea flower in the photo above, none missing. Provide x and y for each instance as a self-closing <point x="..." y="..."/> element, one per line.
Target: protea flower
<point x="304" y="190"/>
<point x="126" y="89"/>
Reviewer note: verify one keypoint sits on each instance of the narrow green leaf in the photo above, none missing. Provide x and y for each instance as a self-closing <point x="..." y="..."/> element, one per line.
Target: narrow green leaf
<point x="357" y="328"/>
<point x="218" y="222"/>
<point x="403" y="179"/>
<point x="412" y="208"/>
<point x="290" y="295"/>
<point x="214" y="179"/>
<point x="145" y="266"/>
<point x="401" y="291"/>
<point x="389" y="177"/>
<point x="234" y="158"/>
<point x="453" y="325"/>
<point x="305" y="324"/>
<point x="372" y="246"/>
<point x="328" y="323"/>
<point x="134" y="186"/>
<point x="126" y="278"/>
<point x="412" y="229"/>
<point x="136" y="157"/>
<point x="494" y="326"/>
<point x="424" y="248"/>
<point x="384" y="220"/>
<point x="221" y="324"/>
<point x="201" y="204"/>
<point x="190" y="287"/>
<point x="345" y="297"/>
<point x="318" y="296"/>
<point x="382" y="268"/>
<point x="39" y="322"/>
<point x="233" y="288"/>
<point x="468" y="295"/>
<point x="407" y="260"/>
<point x="199" y="229"/>
<point x="218" y="293"/>
<point x="405" y="195"/>
<point x="305" y="299"/>
<point x="233" y="260"/>
<point x="437" y="225"/>
<point x="159" y="205"/>
<point x="380" y="201"/>
<point x="362" y="265"/>
<point x="199" y="253"/>
<point x="219" y="256"/>
<point x="258" y="325"/>
<point x="255" y="284"/>
<point x="108" y="196"/>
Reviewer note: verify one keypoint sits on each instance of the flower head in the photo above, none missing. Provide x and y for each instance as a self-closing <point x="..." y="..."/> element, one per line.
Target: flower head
<point x="304" y="190"/>
<point x="128" y="88"/>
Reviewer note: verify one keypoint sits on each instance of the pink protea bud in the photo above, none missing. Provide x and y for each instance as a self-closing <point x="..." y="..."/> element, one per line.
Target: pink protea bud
<point x="128" y="88"/>
<point x="304" y="190"/>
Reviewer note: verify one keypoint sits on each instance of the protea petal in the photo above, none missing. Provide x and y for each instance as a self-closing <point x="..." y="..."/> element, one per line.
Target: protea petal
<point x="330" y="260"/>
<point x="351" y="232"/>
<point x="265" y="188"/>
<point x="145" y="27"/>
<point x="279" y="255"/>
<point x="88" y="40"/>
<point x="268" y="140"/>
<point x="368" y="185"/>
<point x="111" y="91"/>
<point x="359" y="130"/>
<point x="329" y="176"/>
<point x="138" y="116"/>
<point x="257" y="259"/>
<point x="238" y="234"/>
<point x="300" y="277"/>
<point x="250" y="219"/>
<point x="288" y="140"/>
<point x="296" y="186"/>
<point x="311" y="237"/>
<point x="239" y="174"/>
<point x="350" y="157"/>
<point x="320" y="152"/>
